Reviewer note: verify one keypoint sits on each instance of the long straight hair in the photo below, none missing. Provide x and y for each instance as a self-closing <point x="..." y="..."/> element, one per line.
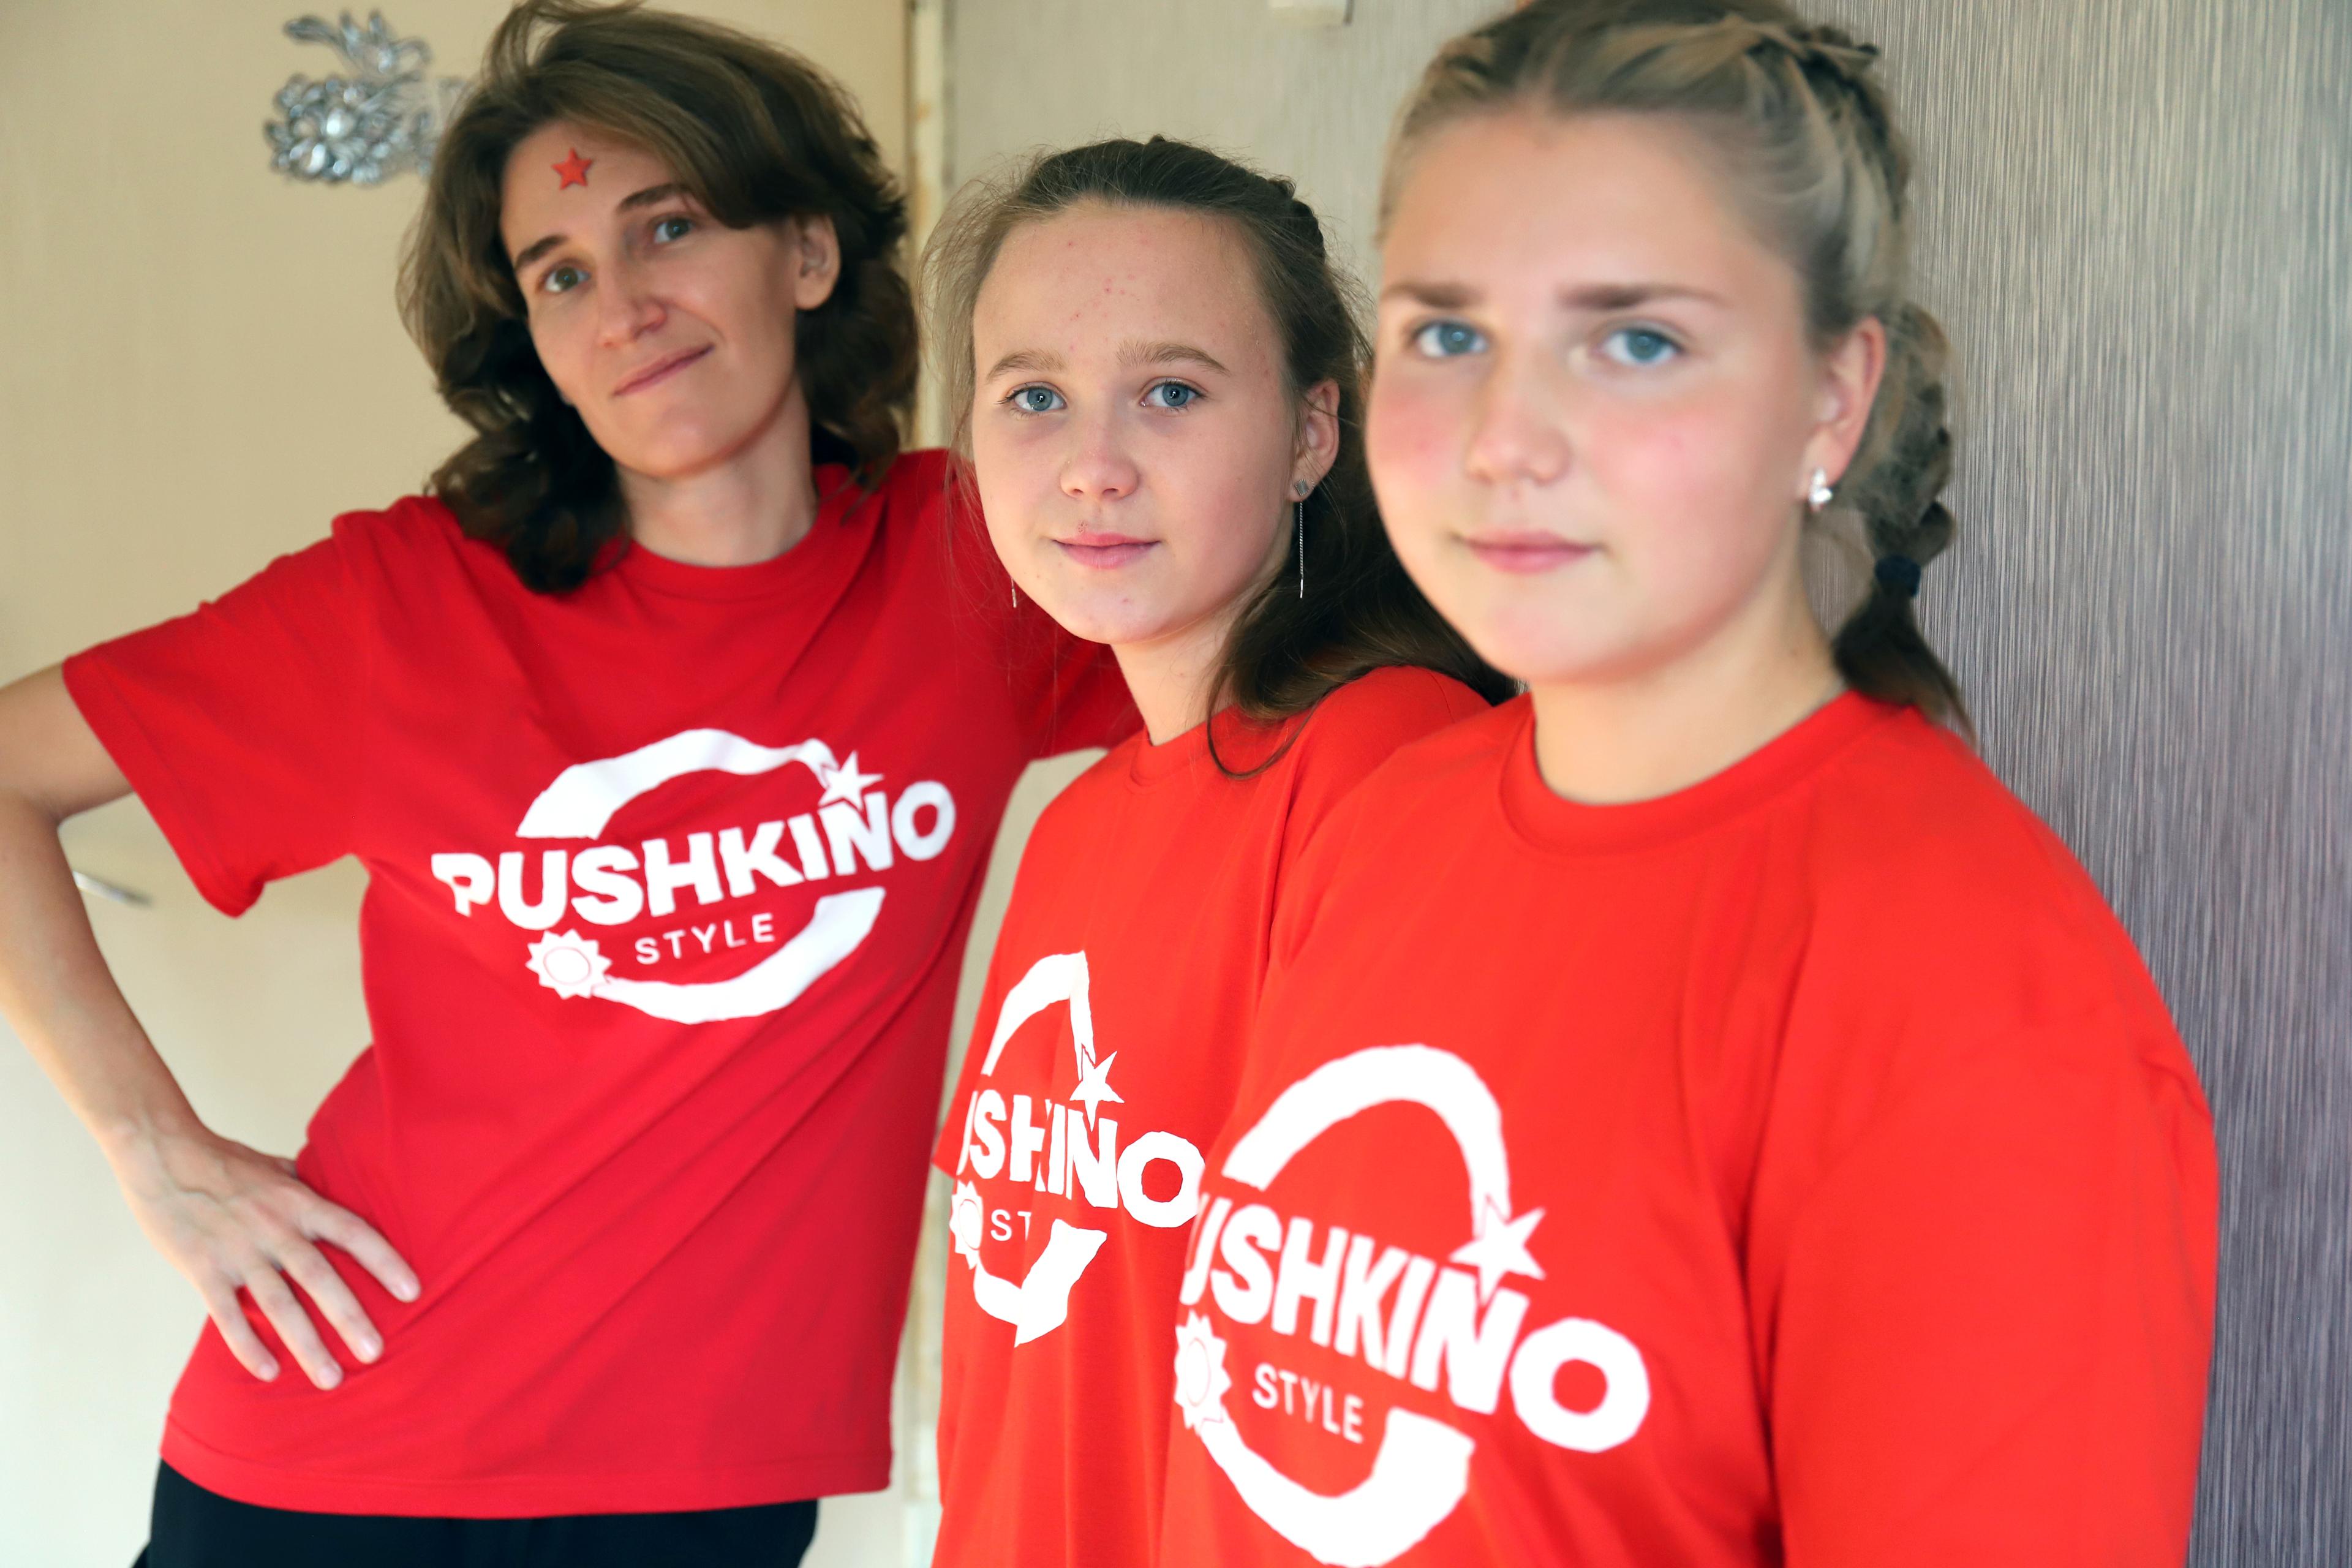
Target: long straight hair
<point x="1360" y="611"/>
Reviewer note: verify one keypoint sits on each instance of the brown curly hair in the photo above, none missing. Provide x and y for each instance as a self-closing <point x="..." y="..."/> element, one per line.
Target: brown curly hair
<point x="757" y="135"/>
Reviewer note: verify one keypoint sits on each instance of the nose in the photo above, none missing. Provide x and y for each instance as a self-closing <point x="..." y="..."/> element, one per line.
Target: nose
<point x="1098" y="467"/>
<point x="627" y="306"/>
<point x="1520" y="434"/>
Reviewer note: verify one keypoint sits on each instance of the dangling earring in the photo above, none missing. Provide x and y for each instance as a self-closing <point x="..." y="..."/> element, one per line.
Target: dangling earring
<point x="1014" y="589"/>
<point x="1821" y="494"/>
<point x="1298" y="509"/>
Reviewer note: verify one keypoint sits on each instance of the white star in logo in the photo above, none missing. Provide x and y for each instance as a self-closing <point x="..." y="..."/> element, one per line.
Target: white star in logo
<point x="845" y="783"/>
<point x="1501" y="1248"/>
<point x="1094" y="1085"/>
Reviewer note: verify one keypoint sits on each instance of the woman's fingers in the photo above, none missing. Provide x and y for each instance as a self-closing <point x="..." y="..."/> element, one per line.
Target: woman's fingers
<point x="233" y="1219"/>
<point x="276" y="1299"/>
<point x="228" y="1316"/>
<point x="331" y="1222"/>
<point x="307" y="1267"/>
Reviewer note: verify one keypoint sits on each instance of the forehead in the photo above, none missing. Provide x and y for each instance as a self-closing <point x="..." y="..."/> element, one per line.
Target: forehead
<point x="1096" y="269"/>
<point x="1546" y="203"/>
<point x="539" y="198"/>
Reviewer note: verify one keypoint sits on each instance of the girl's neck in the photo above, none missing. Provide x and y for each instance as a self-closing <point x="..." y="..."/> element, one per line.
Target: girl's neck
<point x="1173" y="678"/>
<point x="1606" y="743"/>
<point x="751" y="505"/>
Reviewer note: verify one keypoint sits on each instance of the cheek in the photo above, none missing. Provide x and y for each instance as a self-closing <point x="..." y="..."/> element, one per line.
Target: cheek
<point x="1017" y="478"/>
<point x="760" y="308"/>
<point x="1692" y="481"/>
<point x="558" y="338"/>
<point x="1412" y="440"/>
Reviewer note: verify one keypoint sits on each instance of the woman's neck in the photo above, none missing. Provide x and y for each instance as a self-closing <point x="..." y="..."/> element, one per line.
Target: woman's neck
<point x="1174" y="678"/>
<point x="1606" y="743"/>
<point x="751" y="505"/>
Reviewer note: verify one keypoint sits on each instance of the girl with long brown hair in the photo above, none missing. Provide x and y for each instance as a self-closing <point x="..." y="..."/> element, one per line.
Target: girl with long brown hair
<point x="1155" y="370"/>
<point x="674" y="750"/>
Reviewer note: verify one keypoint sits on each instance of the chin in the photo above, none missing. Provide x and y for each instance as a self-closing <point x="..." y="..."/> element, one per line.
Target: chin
<point x="676" y="451"/>
<point x="1540" y="650"/>
<point x="1082" y="621"/>
<point x="1096" y="614"/>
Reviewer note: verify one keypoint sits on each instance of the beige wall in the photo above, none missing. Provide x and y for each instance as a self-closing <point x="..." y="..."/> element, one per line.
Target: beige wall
<point x="201" y="366"/>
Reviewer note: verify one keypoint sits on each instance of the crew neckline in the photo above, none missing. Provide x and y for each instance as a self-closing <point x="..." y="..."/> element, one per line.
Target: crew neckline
<point x="840" y="502"/>
<point x="1243" y="744"/>
<point x="1550" y="822"/>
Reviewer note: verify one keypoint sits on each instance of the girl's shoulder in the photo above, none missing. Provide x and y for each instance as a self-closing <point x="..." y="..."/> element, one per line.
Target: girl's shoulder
<point x="1928" y="871"/>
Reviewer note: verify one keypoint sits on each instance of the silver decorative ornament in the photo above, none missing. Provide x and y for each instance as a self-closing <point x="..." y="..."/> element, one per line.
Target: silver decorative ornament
<point x="359" y="128"/>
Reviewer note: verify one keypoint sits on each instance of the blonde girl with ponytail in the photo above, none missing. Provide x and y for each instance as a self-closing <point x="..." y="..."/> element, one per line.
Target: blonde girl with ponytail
<point x="1698" y="1116"/>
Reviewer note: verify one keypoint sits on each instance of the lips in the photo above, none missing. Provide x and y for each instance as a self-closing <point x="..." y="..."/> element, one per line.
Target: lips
<point x="1527" y="553"/>
<point x="1104" y="552"/>
<point x="659" y="371"/>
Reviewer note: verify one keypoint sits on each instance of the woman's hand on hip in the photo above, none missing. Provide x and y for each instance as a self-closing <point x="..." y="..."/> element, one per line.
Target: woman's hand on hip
<point x="233" y="1219"/>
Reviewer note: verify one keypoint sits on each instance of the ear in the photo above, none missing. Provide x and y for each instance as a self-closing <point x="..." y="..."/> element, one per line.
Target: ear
<point x="816" y="252"/>
<point x="1319" y="435"/>
<point x="1850" y="372"/>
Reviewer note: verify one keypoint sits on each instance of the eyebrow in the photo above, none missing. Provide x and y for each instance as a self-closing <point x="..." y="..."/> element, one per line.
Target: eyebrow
<point x="1023" y="359"/>
<point x="1128" y="353"/>
<point x="1601" y="296"/>
<point x="648" y="197"/>
<point x="1169" y="354"/>
<point x="1594" y="297"/>
<point x="1436" y="296"/>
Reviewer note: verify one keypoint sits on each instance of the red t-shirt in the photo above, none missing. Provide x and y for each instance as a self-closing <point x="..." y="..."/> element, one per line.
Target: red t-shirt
<point x="1109" y="1040"/>
<point x="669" y="880"/>
<point x="1796" y="1169"/>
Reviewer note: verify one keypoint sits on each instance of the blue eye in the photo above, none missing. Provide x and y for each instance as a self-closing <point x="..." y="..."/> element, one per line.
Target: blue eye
<point x="1640" y="346"/>
<point x="672" y="228"/>
<point x="1449" y="340"/>
<point x="1035" y="399"/>
<point x="1171" y="394"/>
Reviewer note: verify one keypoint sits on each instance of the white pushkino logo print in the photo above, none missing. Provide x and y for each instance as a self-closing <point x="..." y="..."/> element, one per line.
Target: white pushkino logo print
<point x="583" y="799"/>
<point x="1421" y="1470"/>
<point x="1076" y="1152"/>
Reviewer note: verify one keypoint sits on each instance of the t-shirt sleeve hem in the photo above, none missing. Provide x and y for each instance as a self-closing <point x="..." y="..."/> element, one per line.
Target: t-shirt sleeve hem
<point x="152" y="779"/>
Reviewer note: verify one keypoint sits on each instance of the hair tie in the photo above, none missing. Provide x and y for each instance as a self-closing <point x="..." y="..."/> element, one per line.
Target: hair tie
<point x="1899" y="573"/>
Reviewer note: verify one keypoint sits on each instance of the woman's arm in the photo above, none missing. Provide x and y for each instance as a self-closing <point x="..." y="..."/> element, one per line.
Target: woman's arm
<point x="226" y="1216"/>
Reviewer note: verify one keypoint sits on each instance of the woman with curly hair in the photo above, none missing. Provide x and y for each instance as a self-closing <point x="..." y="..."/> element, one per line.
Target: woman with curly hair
<point x="673" y="738"/>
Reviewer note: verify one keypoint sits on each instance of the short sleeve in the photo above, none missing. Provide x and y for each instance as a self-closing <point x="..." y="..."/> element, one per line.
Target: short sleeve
<point x="1353" y="734"/>
<point x="1987" y="1315"/>
<point x="1358" y="728"/>
<point x="239" y="726"/>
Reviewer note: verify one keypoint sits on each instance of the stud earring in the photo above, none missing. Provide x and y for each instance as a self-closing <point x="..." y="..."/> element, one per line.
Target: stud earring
<point x="1821" y="494"/>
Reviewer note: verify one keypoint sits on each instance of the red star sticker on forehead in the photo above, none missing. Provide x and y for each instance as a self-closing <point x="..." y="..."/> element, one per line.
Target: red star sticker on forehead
<point x="573" y="169"/>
